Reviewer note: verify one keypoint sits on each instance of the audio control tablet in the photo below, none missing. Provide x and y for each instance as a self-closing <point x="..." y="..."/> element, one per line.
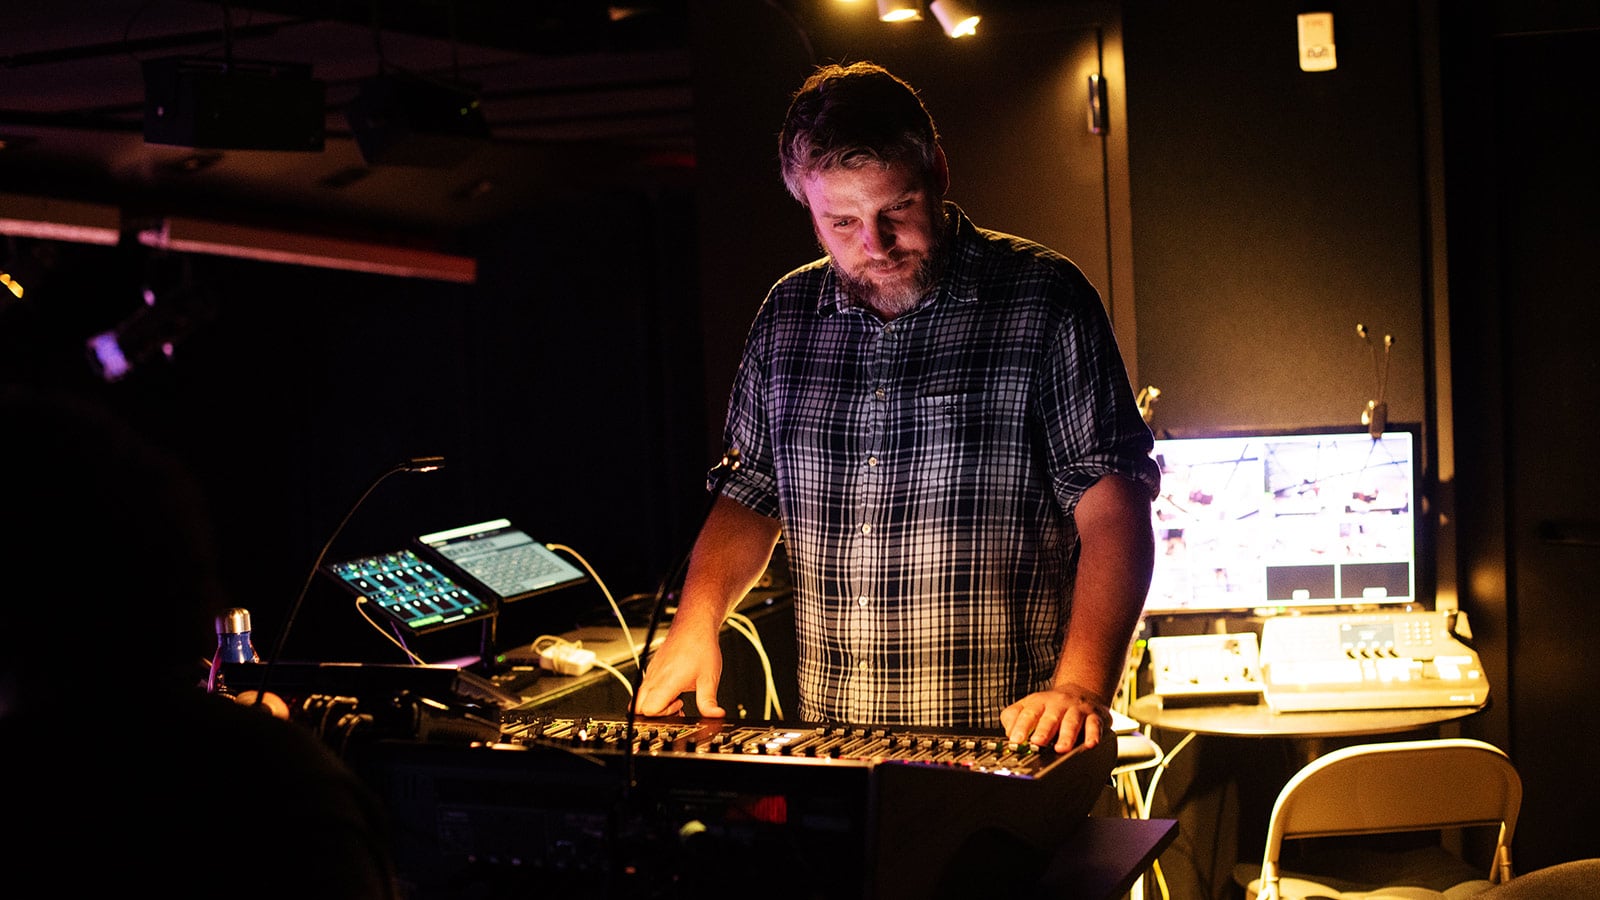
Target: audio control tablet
<point x="502" y="558"/>
<point x="410" y="592"/>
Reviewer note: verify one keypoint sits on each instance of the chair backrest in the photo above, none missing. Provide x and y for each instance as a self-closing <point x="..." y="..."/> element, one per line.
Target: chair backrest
<point x="1394" y="787"/>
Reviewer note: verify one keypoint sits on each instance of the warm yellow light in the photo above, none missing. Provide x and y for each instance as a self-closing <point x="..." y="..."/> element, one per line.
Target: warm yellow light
<point x="900" y="10"/>
<point x="10" y="284"/>
<point x="955" y="18"/>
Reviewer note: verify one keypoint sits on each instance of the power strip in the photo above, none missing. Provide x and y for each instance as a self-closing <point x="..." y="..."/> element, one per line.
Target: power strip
<point x="566" y="659"/>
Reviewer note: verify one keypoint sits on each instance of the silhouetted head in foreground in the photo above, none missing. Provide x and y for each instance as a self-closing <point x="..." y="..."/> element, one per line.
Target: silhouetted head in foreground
<point x="136" y="777"/>
<point x="105" y="546"/>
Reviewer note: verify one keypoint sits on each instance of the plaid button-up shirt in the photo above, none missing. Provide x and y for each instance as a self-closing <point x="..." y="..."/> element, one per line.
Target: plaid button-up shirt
<point x="925" y="471"/>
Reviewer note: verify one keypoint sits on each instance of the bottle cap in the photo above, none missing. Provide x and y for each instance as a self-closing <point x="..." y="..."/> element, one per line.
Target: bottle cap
<point x="234" y="621"/>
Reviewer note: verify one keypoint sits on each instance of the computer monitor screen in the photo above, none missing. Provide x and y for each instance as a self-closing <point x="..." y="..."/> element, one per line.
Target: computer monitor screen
<point x="1271" y="521"/>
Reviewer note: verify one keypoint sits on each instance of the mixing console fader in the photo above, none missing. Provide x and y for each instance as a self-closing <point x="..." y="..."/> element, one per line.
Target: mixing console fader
<point x="857" y="745"/>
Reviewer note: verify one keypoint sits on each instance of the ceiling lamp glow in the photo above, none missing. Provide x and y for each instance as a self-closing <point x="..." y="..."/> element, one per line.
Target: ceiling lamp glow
<point x="955" y="17"/>
<point x="900" y="10"/>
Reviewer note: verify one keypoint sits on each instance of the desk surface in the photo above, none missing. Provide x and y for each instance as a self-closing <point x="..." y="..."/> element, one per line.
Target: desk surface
<point x="1259" y="720"/>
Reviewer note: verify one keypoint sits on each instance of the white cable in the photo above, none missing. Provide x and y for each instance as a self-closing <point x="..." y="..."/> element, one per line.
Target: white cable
<point x="743" y="624"/>
<point x="361" y="604"/>
<point x="1155" y="777"/>
<point x="622" y="620"/>
<point x="617" y="672"/>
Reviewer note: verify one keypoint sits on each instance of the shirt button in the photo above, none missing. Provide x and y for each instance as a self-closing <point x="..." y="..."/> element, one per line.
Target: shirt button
<point x="880" y="393"/>
<point x="861" y="601"/>
<point x="872" y="460"/>
<point x="863" y="665"/>
<point x="866" y="529"/>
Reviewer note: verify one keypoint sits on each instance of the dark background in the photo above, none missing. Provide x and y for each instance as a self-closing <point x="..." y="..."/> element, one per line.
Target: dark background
<point x="1240" y="217"/>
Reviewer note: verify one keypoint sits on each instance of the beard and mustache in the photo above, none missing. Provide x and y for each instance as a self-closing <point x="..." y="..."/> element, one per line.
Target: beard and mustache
<point x="898" y="296"/>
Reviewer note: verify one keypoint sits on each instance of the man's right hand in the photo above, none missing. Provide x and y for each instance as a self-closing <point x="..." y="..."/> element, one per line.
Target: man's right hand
<point x="728" y="558"/>
<point x="683" y="663"/>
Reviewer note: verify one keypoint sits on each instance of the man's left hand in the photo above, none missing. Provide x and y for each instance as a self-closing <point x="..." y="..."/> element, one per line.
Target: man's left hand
<point x="1062" y="714"/>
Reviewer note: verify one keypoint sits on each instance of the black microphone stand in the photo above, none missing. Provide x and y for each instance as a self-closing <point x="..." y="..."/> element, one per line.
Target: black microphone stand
<point x="415" y="464"/>
<point x="719" y="475"/>
<point x="620" y="822"/>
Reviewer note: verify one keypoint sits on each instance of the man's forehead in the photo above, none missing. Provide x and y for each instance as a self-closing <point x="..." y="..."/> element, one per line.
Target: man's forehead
<point x="836" y="188"/>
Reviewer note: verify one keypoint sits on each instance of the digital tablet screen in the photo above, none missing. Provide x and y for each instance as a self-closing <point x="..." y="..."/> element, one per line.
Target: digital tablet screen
<point x="503" y="558"/>
<point x="410" y="591"/>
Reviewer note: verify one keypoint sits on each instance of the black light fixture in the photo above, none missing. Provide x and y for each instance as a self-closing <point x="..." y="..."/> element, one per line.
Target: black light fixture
<point x="171" y="308"/>
<point x="409" y="120"/>
<point x="230" y="104"/>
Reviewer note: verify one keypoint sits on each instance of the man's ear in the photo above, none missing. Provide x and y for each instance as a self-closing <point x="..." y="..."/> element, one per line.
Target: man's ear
<point x="941" y="170"/>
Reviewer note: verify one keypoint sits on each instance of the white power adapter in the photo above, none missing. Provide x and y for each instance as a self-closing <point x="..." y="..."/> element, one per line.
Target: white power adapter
<point x="566" y="659"/>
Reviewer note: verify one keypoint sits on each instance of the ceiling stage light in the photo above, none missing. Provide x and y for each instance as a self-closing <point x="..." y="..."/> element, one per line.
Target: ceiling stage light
<point x="955" y="17"/>
<point x="409" y="120"/>
<point x="900" y="10"/>
<point x="233" y="105"/>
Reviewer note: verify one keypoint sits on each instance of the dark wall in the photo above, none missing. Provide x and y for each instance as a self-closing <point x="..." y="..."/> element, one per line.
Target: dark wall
<point x="563" y="389"/>
<point x="1523" y="266"/>
<point x="748" y="58"/>
<point x="1273" y="210"/>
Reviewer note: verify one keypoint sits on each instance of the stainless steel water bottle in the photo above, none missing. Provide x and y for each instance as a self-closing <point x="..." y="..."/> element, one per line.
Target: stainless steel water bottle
<point x="233" y="637"/>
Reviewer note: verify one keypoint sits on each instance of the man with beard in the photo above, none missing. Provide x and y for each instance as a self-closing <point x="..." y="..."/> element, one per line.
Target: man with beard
<point x="936" y="419"/>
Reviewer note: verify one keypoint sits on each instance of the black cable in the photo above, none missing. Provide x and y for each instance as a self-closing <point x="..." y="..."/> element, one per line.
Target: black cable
<point x="415" y="464"/>
<point x="719" y="475"/>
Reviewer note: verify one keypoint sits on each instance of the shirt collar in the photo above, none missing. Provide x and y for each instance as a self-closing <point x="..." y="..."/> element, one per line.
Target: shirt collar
<point x="963" y="270"/>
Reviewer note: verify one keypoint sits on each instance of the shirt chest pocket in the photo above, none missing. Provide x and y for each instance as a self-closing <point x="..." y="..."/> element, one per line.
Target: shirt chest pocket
<point x="984" y="420"/>
<point x="941" y="419"/>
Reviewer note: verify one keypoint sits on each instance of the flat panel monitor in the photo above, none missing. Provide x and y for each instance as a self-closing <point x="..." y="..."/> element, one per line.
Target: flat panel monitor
<point x="1266" y="522"/>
